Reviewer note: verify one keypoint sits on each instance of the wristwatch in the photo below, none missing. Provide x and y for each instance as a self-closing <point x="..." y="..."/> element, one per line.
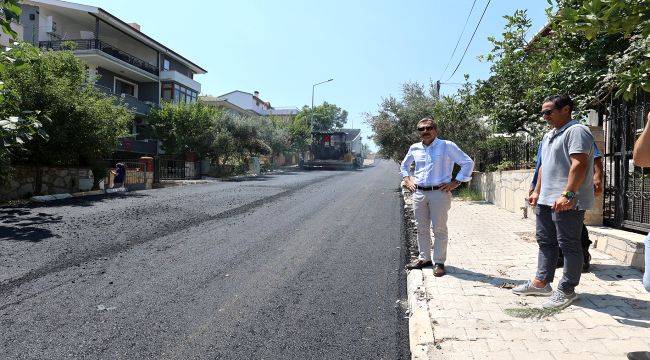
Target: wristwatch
<point x="569" y="194"/>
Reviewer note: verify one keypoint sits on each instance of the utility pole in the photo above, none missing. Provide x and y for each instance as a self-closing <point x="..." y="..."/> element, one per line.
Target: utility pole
<point x="311" y="115"/>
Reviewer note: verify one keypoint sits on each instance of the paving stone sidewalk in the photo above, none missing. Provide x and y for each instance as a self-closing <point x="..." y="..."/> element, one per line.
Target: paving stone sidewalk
<point x="488" y="247"/>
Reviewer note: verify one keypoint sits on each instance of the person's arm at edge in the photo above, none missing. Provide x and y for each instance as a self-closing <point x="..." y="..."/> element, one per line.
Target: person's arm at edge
<point x="534" y="196"/>
<point x="404" y="171"/>
<point x="538" y="164"/>
<point x="598" y="176"/>
<point x="641" y="154"/>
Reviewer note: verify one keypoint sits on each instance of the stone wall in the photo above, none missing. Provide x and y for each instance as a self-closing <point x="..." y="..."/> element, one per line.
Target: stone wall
<point x="28" y="181"/>
<point x="506" y="189"/>
<point x="149" y="179"/>
<point x="509" y="189"/>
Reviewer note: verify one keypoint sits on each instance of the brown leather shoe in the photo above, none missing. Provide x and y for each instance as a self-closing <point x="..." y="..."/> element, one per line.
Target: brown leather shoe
<point x="417" y="264"/>
<point x="439" y="270"/>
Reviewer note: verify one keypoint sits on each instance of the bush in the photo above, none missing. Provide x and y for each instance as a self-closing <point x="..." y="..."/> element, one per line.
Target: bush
<point x="83" y="124"/>
<point x="506" y="165"/>
<point x="467" y="193"/>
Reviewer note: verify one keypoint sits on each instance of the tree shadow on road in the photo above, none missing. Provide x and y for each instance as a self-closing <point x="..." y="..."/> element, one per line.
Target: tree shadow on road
<point x="250" y="178"/>
<point x="91" y="200"/>
<point x="23" y="224"/>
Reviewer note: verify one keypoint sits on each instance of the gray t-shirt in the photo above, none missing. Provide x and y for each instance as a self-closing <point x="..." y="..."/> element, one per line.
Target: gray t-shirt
<point x="557" y="147"/>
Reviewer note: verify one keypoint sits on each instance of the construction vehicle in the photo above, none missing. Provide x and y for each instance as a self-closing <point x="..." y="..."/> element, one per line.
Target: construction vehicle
<point x="337" y="149"/>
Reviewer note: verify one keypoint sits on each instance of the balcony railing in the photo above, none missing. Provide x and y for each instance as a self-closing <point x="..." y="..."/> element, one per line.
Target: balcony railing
<point x="148" y="147"/>
<point x="96" y="44"/>
<point x="136" y="105"/>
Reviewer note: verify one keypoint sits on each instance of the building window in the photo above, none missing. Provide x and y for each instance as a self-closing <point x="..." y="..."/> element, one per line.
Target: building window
<point x="167" y="92"/>
<point x="121" y="86"/>
<point x="165" y="64"/>
<point x="178" y="93"/>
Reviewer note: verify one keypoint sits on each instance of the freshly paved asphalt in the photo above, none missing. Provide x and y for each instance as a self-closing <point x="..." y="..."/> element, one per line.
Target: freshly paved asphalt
<point x="300" y="265"/>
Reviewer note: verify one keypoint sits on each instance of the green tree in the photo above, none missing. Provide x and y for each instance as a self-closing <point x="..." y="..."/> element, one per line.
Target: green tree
<point x="627" y="23"/>
<point x="523" y="72"/>
<point x="15" y="127"/>
<point x="184" y="127"/>
<point x="216" y="132"/>
<point x="274" y="132"/>
<point x="248" y="140"/>
<point x="460" y="119"/>
<point x="395" y="122"/>
<point x="9" y="12"/>
<point x="223" y="143"/>
<point x="84" y="125"/>
<point x="325" y="116"/>
<point x="299" y="133"/>
<point x="366" y="149"/>
<point x="509" y="96"/>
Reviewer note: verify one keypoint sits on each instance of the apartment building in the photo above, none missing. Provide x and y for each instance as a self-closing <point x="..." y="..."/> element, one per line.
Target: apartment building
<point x="122" y="59"/>
<point x="245" y="103"/>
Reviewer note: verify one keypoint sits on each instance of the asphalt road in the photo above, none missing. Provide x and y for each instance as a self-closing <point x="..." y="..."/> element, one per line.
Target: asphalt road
<point x="299" y="265"/>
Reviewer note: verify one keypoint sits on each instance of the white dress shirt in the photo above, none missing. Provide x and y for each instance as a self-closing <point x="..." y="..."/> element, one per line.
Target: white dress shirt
<point x="434" y="163"/>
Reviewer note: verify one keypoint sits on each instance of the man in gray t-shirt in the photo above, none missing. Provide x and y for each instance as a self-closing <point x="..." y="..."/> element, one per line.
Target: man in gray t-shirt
<point x="558" y="147"/>
<point x="563" y="192"/>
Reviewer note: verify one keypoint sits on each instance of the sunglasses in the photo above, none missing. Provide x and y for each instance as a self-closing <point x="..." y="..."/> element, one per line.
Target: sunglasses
<point x="546" y="112"/>
<point x="425" y="128"/>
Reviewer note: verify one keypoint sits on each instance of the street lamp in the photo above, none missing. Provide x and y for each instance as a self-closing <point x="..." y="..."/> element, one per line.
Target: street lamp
<point x="311" y="118"/>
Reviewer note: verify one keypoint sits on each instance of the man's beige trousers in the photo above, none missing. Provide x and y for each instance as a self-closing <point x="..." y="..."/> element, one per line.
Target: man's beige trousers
<point x="430" y="209"/>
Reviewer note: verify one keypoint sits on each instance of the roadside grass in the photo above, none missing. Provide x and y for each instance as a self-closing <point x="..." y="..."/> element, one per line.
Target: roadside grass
<point x="470" y="194"/>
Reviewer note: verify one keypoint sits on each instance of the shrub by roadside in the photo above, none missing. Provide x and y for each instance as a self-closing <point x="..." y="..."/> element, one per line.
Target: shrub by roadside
<point x="469" y="194"/>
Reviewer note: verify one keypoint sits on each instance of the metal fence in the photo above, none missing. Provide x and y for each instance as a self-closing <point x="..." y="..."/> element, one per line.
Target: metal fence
<point x="507" y="154"/>
<point x="627" y="187"/>
<point x="136" y="172"/>
<point x="171" y="167"/>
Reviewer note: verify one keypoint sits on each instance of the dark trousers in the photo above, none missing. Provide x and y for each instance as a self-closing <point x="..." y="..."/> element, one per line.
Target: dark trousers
<point x="586" y="244"/>
<point x="555" y="231"/>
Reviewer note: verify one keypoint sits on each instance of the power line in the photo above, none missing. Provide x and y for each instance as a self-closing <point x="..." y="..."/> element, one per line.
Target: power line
<point x="459" y="38"/>
<point x="470" y="40"/>
<point x="452" y="84"/>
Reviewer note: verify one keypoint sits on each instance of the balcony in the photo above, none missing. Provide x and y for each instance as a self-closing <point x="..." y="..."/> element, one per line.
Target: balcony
<point x="175" y="76"/>
<point x="144" y="147"/>
<point x="131" y="102"/>
<point x="96" y="44"/>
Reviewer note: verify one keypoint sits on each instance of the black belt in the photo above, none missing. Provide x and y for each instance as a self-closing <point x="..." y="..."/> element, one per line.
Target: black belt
<point x="427" y="188"/>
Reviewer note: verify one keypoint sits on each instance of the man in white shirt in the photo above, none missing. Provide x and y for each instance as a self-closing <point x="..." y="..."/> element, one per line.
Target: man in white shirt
<point x="431" y="184"/>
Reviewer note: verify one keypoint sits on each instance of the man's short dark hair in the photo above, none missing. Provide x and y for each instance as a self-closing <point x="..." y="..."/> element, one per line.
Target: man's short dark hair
<point x="428" y="119"/>
<point x="560" y="101"/>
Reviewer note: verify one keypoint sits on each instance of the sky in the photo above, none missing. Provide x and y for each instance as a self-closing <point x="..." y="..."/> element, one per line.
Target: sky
<point x="282" y="47"/>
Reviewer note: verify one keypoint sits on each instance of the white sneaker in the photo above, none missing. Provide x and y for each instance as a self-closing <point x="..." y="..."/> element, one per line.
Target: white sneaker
<point x="528" y="289"/>
<point x="559" y="299"/>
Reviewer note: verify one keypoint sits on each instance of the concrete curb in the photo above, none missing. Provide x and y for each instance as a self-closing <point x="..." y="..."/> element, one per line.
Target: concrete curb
<point x="88" y="193"/>
<point x="47" y="198"/>
<point x="161" y="185"/>
<point x="421" y="339"/>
